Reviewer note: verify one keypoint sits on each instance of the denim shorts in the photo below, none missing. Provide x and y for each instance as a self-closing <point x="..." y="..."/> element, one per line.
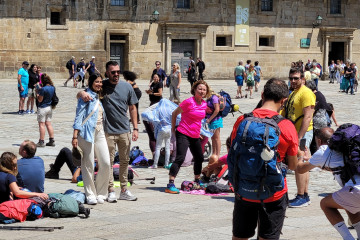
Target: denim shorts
<point x="239" y="80"/>
<point x="218" y="123"/>
<point x="309" y="136"/>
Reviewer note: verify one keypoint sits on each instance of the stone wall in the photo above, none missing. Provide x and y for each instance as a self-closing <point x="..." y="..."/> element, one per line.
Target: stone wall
<point x="27" y="34"/>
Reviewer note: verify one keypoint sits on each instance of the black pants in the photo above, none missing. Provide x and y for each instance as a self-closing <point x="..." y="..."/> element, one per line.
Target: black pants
<point x="150" y="131"/>
<point x="184" y="142"/>
<point x="201" y="77"/>
<point x="64" y="156"/>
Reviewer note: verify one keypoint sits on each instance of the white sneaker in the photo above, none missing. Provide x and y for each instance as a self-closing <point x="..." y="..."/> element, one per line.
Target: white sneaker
<point x="91" y="200"/>
<point x="127" y="196"/>
<point x="100" y="199"/>
<point x="153" y="167"/>
<point x="111" y="197"/>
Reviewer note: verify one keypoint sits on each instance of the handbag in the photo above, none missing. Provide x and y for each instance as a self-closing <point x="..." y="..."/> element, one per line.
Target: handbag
<point x="54" y="100"/>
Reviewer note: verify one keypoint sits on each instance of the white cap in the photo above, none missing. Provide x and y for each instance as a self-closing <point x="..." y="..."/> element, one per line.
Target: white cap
<point x="93" y="57"/>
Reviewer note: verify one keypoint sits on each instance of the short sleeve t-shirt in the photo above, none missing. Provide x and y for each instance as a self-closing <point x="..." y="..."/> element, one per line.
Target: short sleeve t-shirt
<point x="32" y="173"/>
<point x="297" y="101"/>
<point x="210" y="104"/>
<point x="91" y="69"/>
<point x="5" y="180"/>
<point x="47" y="92"/>
<point x="161" y="73"/>
<point x="288" y="145"/>
<point x="191" y="117"/>
<point x="257" y="69"/>
<point x="239" y="70"/>
<point x="24" y="77"/>
<point x="116" y="101"/>
<point x="154" y="87"/>
<point x="327" y="158"/>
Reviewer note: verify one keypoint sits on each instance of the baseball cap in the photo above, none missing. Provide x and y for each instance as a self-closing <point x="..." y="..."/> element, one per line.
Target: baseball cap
<point x="93" y="57"/>
<point x="25" y="63"/>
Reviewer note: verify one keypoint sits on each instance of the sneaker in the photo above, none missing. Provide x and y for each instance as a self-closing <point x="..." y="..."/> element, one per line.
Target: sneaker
<point x="127" y="196"/>
<point x="306" y="196"/>
<point x="21" y="112"/>
<point x="52" y="173"/>
<point x="65" y="84"/>
<point x="100" y="200"/>
<point x="40" y="144"/>
<point x="170" y="188"/>
<point x="298" y="202"/>
<point x="111" y="197"/>
<point x="51" y="144"/>
<point x="153" y="167"/>
<point x="32" y="111"/>
<point x="91" y="200"/>
<point x="27" y="112"/>
<point x="168" y="166"/>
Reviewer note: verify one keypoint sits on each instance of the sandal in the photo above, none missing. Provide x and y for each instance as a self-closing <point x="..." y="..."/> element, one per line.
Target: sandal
<point x="237" y="97"/>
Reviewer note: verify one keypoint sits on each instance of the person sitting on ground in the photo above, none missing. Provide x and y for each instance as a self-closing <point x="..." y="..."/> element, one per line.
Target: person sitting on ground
<point x="348" y="197"/>
<point x="65" y="156"/>
<point x="30" y="167"/>
<point x="216" y="164"/>
<point x="8" y="185"/>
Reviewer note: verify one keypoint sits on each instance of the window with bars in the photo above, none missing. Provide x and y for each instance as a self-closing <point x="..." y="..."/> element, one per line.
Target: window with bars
<point x="266" y="5"/>
<point x="183" y="4"/>
<point x="335" y="7"/>
<point x="117" y="2"/>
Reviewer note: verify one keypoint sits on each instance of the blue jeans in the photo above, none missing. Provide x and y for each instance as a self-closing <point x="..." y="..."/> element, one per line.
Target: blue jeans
<point x="352" y="80"/>
<point x="316" y="80"/>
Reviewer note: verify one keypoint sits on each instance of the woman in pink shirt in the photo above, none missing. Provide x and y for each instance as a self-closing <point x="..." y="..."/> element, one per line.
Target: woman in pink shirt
<point x="192" y="111"/>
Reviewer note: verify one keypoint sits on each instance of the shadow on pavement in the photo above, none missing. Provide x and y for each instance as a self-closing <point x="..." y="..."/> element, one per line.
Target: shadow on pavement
<point x="227" y="198"/>
<point x="14" y="113"/>
<point x="160" y="189"/>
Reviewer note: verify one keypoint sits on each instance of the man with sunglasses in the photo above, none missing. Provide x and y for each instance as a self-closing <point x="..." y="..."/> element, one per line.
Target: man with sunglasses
<point x="299" y="108"/>
<point x="118" y="97"/>
<point x="159" y="71"/>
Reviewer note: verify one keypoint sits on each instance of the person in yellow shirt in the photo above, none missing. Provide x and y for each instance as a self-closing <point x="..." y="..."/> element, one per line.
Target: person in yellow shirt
<point x="299" y="108"/>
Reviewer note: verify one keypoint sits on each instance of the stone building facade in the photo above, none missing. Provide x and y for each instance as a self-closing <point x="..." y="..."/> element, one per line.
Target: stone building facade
<point x="50" y="32"/>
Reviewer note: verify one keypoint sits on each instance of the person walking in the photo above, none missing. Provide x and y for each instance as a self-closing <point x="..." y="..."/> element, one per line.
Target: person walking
<point x="201" y="68"/>
<point x="72" y="71"/>
<point x="250" y="79"/>
<point x="89" y="135"/>
<point x="44" y="113"/>
<point x="191" y="73"/>
<point x="258" y="75"/>
<point x="80" y="73"/>
<point x="240" y="75"/>
<point x="33" y="80"/>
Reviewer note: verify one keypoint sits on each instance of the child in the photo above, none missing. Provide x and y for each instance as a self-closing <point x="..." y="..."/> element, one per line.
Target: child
<point x="8" y="185"/>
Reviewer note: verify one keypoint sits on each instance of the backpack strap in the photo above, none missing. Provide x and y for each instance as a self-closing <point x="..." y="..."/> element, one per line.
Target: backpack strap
<point x="243" y="139"/>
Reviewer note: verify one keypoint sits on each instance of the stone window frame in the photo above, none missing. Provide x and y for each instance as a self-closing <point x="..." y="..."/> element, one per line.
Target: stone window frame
<point x="230" y="41"/>
<point x="335" y="15"/>
<point x="271" y="13"/>
<point x="179" y="10"/>
<point x="266" y="48"/>
<point x="64" y="16"/>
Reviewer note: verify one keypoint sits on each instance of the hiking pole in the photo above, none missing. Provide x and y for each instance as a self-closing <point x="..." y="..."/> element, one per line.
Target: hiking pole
<point x="28" y="228"/>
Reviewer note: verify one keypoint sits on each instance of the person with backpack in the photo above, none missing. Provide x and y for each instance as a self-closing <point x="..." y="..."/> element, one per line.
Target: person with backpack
<point x="250" y="79"/>
<point x="214" y="120"/>
<point x="261" y="143"/>
<point x="187" y="134"/>
<point x="348" y="197"/>
<point x="240" y="75"/>
<point x="44" y="112"/>
<point x="71" y="66"/>
<point x="299" y="109"/>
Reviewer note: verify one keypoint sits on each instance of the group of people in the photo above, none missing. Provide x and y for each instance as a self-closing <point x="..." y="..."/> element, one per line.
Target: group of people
<point x="39" y="88"/>
<point x="346" y="74"/>
<point x="250" y="74"/>
<point x="77" y="71"/>
<point x="302" y="119"/>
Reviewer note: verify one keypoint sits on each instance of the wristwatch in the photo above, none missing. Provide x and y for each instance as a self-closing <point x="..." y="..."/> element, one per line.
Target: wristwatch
<point x="136" y="129"/>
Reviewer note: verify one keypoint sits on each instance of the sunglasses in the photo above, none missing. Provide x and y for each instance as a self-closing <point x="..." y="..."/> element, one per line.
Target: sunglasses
<point x="157" y="64"/>
<point x="113" y="72"/>
<point x="294" y="78"/>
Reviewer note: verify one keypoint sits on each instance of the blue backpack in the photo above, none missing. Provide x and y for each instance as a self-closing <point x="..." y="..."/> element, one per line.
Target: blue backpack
<point x="135" y="153"/>
<point x="253" y="158"/>
<point x="226" y="99"/>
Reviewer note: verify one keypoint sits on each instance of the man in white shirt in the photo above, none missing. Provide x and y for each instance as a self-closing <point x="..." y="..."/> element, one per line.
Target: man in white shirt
<point x="348" y="197"/>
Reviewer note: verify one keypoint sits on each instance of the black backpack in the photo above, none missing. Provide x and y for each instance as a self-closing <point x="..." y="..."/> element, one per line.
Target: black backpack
<point x="346" y="140"/>
<point x="69" y="65"/>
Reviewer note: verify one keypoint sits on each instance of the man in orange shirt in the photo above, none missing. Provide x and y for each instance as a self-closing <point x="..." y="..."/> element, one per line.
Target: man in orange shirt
<point x="269" y="212"/>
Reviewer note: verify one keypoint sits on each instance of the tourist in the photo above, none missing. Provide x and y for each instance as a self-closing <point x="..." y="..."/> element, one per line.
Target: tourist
<point x="175" y="81"/>
<point x="33" y="80"/>
<point x="130" y="77"/>
<point x="214" y="121"/>
<point x="240" y="75"/>
<point x="23" y="82"/>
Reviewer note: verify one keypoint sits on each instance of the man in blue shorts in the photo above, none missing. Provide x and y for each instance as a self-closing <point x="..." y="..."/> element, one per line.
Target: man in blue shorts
<point x="257" y="77"/>
<point x="239" y="74"/>
<point x="23" y="81"/>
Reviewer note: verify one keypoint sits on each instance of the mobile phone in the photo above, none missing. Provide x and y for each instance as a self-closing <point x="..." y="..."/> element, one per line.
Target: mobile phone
<point x="302" y="144"/>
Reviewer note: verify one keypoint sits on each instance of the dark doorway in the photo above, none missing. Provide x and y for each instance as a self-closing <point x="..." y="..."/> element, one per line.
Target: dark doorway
<point x="117" y="54"/>
<point x="181" y="50"/>
<point x="336" y="51"/>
